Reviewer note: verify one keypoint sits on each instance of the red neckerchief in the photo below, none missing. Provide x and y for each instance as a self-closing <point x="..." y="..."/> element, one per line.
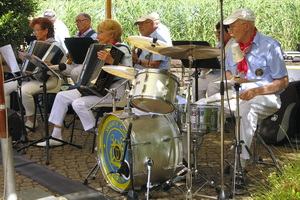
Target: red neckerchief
<point x="242" y="65"/>
<point x="80" y="34"/>
<point x="114" y="43"/>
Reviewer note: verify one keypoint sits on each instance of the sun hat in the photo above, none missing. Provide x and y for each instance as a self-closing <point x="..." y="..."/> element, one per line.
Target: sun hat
<point x="143" y="18"/>
<point x="49" y="13"/>
<point x="241" y="13"/>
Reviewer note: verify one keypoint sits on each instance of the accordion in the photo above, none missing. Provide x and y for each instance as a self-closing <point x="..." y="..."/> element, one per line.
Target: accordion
<point x="44" y="51"/>
<point x="93" y="80"/>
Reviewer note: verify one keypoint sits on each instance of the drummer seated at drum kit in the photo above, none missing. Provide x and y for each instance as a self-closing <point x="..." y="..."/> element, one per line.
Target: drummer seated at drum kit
<point x="109" y="32"/>
<point x="144" y="58"/>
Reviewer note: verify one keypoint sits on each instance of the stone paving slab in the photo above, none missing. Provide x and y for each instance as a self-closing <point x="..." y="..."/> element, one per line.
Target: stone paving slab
<point x="76" y="163"/>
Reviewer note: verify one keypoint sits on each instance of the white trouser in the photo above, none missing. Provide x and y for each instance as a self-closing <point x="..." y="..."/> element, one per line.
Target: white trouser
<point x="81" y="105"/>
<point x="75" y="73"/>
<point x="203" y="83"/>
<point x="28" y="90"/>
<point x="251" y="112"/>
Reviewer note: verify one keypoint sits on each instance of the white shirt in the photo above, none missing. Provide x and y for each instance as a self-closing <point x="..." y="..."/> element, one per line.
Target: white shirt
<point x="60" y="33"/>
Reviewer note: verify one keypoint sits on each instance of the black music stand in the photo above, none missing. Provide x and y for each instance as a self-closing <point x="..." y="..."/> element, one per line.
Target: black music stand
<point x="211" y="63"/>
<point x="44" y="69"/>
<point x="78" y="48"/>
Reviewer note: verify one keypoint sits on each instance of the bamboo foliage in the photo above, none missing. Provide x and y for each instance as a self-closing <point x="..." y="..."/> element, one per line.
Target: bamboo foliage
<point x="192" y="20"/>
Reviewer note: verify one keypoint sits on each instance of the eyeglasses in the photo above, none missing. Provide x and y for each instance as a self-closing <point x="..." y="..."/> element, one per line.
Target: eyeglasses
<point x="142" y="23"/>
<point x="234" y="27"/>
<point x="37" y="30"/>
<point x="79" y="21"/>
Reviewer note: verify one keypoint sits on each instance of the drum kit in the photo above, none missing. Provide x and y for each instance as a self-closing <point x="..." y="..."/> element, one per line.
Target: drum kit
<point x="155" y="127"/>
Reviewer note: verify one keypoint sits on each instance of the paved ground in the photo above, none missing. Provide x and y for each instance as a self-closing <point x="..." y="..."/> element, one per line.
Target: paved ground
<point x="75" y="164"/>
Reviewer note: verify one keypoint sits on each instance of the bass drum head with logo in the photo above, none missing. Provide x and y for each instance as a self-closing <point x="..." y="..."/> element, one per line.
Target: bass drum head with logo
<point x="153" y="136"/>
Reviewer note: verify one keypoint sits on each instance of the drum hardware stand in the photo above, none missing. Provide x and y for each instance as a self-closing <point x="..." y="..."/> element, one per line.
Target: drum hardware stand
<point x="189" y="175"/>
<point x="149" y="162"/>
<point x="113" y="92"/>
<point x="239" y="173"/>
<point x="46" y="138"/>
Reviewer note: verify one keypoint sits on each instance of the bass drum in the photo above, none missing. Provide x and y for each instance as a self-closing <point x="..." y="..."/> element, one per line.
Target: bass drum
<point x="155" y="137"/>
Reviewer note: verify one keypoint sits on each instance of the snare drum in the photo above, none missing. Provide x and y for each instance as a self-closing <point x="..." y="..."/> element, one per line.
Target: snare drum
<point x="154" y="91"/>
<point x="153" y="136"/>
<point x="204" y="119"/>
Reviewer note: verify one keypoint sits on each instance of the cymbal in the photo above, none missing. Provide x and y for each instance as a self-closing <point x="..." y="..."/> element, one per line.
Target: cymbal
<point x="146" y="43"/>
<point x="121" y="71"/>
<point x="185" y="51"/>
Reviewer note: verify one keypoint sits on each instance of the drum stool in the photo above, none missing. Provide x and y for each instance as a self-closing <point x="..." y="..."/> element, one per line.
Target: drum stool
<point x="256" y="157"/>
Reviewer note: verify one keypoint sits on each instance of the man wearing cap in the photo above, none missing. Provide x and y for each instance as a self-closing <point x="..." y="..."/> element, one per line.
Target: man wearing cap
<point x="60" y="29"/>
<point x="262" y="58"/>
<point x="143" y="58"/>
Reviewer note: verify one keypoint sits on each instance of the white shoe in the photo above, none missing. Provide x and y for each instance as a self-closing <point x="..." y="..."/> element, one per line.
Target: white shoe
<point x="51" y="143"/>
<point x="30" y="125"/>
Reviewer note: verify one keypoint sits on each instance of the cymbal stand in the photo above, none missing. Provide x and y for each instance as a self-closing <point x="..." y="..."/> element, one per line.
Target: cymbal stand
<point x="222" y="195"/>
<point x="239" y="173"/>
<point x="189" y="172"/>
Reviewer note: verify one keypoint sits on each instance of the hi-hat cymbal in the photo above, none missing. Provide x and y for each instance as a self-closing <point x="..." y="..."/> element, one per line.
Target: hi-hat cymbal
<point x="121" y="71"/>
<point x="185" y="51"/>
<point x="146" y="43"/>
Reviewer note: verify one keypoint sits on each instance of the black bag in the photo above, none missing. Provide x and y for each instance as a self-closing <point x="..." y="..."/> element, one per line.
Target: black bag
<point x="288" y="117"/>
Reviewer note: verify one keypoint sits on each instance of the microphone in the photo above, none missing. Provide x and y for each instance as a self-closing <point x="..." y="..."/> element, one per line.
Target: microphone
<point x="153" y="42"/>
<point x="237" y="54"/>
<point x="59" y="67"/>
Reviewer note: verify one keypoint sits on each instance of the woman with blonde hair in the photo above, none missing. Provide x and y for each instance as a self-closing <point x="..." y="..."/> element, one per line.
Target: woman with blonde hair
<point x="109" y="32"/>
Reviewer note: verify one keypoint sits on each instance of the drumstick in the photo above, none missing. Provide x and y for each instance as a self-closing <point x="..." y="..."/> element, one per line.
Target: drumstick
<point x="215" y="101"/>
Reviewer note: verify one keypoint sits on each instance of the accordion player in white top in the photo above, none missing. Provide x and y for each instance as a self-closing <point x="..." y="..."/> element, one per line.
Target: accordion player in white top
<point x="109" y="32"/>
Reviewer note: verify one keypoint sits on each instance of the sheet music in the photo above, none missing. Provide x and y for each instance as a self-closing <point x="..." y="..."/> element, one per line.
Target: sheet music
<point x="10" y="58"/>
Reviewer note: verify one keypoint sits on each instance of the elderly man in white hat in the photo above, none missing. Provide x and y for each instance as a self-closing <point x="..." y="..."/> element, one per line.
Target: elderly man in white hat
<point x="261" y="57"/>
<point x="143" y="58"/>
<point x="60" y="29"/>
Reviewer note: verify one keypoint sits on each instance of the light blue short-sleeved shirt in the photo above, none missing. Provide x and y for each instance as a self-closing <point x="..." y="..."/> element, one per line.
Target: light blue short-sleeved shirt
<point x="148" y="56"/>
<point x="265" y="61"/>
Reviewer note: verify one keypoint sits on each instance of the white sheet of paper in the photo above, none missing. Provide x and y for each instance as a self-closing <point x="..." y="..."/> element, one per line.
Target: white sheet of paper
<point x="10" y="58"/>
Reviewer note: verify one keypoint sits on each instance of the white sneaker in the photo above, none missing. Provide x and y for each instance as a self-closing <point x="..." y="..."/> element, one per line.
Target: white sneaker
<point x="29" y="125"/>
<point x="51" y="143"/>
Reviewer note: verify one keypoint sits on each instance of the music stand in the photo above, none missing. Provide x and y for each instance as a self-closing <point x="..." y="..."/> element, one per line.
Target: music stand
<point x="78" y="48"/>
<point x="44" y="69"/>
<point x="211" y="63"/>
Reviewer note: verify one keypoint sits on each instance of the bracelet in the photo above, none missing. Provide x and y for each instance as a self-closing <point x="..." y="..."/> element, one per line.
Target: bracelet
<point x="140" y="62"/>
